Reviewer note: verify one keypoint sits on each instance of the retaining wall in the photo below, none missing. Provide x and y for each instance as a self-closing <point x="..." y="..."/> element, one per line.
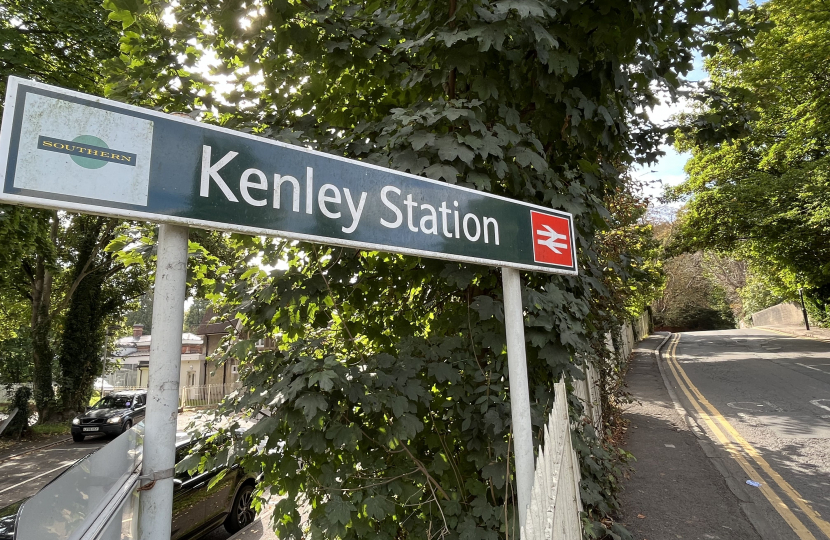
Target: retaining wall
<point x="786" y="314"/>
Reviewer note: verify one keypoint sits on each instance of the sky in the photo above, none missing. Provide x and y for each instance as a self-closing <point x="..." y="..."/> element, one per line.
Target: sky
<point x="668" y="171"/>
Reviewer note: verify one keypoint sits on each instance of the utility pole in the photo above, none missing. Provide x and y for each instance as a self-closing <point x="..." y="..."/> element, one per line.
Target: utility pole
<point x="804" y="308"/>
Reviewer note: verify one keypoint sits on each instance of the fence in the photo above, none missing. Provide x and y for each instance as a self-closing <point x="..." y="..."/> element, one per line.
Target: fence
<point x="196" y="396"/>
<point x="555" y="503"/>
<point x="588" y="391"/>
<point x="124" y="377"/>
<point x="630" y="332"/>
<point x="209" y="394"/>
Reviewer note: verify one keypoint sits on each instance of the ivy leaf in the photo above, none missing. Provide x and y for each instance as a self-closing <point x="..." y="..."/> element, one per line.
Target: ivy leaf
<point x="449" y="149"/>
<point x="324" y="378"/>
<point x="486" y="308"/>
<point x="339" y="511"/>
<point x="440" y="170"/>
<point x="310" y="404"/>
<point x="377" y="507"/>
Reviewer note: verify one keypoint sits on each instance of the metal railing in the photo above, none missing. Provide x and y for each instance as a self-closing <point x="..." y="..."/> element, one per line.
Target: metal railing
<point x="555" y="503"/>
<point x="209" y="394"/>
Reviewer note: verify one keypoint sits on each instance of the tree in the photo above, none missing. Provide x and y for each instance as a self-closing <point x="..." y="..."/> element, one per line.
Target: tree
<point x="691" y="300"/>
<point x="143" y="315"/>
<point x="101" y="290"/>
<point x="61" y="42"/>
<point x="195" y="313"/>
<point x="760" y="171"/>
<point x="65" y="43"/>
<point x="388" y="394"/>
<point x="28" y="268"/>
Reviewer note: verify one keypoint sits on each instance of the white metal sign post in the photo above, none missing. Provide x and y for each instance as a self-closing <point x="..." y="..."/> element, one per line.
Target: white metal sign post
<point x="70" y="151"/>
<point x="519" y="392"/>
<point x="159" y="457"/>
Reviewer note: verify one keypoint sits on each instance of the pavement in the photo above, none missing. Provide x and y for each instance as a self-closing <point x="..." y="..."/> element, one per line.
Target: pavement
<point x="755" y="403"/>
<point x="819" y="334"/>
<point x="674" y="491"/>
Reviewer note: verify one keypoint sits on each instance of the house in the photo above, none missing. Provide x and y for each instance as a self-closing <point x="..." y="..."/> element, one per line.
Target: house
<point x="134" y="354"/>
<point x="201" y="374"/>
<point x="211" y="334"/>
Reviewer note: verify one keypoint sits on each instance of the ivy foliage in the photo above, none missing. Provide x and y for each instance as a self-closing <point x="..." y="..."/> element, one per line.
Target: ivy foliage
<point x="387" y="395"/>
<point x="758" y="179"/>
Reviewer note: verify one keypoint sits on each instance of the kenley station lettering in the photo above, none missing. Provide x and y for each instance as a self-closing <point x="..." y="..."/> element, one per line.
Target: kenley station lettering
<point x="285" y="193"/>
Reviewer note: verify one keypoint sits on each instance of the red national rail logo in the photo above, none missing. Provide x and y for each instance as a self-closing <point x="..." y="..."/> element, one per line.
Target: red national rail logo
<point x="551" y="239"/>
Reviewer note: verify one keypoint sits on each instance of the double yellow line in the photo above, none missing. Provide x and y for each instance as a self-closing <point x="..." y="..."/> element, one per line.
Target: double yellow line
<point x="740" y="449"/>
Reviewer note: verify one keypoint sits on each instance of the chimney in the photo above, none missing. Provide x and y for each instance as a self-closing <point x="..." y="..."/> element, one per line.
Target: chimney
<point x="138" y="330"/>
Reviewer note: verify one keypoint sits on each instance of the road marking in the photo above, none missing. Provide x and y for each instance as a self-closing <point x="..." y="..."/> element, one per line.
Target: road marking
<point x="737" y="405"/>
<point x="65" y="465"/>
<point x="817" y="404"/>
<point x="811" y="367"/>
<point x="771" y="496"/>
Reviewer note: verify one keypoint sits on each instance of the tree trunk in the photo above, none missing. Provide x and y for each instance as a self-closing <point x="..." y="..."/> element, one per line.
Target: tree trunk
<point x="42" y="355"/>
<point x="82" y="341"/>
<point x="80" y="357"/>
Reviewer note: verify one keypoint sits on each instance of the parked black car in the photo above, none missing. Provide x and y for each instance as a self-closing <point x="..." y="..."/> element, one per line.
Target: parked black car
<point x="196" y="510"/>
<point x="113" y="414"/>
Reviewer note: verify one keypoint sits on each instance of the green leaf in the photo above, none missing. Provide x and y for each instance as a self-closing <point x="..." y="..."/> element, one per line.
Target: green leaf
<point x="439" y="170"/>
<point x="377" y="507"/>
<point x="450" y="149"/>
<point x="339" y="511"/>
<point x="324" y="378"/>
<point x="310" y="404"/>
<point x="486" y="308"/>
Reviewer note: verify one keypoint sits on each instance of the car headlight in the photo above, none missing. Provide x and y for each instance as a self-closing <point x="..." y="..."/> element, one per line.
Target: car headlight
<point x="76" y="421"/>
<point x="114" y="420"/>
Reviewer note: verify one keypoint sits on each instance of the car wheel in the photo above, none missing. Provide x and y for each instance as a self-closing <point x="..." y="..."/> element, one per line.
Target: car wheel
<point x="127" y="425"/>
<point x="77" y="437"/>
<point x="241" y="512"/>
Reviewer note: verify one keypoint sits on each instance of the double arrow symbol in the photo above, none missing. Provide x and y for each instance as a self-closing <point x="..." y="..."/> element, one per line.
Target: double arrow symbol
<point x="551" y="240"/>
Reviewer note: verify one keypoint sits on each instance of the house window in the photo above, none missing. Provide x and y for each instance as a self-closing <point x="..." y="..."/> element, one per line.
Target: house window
<point x="191" y="378"/>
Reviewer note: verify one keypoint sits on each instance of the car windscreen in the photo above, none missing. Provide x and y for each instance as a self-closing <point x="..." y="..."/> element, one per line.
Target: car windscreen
<point x="114" y="402"/>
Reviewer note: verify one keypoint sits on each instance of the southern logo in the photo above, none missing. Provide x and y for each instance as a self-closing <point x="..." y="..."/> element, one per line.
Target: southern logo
<point x="88" y="151"/>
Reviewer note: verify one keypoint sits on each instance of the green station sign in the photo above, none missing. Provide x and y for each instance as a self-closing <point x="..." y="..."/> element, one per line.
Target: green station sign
<point x="65" y="150"/>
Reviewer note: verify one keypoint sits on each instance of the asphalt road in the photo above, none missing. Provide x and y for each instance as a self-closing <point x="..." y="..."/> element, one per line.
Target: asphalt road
<point x="764" y="398"/>
<point x="24" y="475"/>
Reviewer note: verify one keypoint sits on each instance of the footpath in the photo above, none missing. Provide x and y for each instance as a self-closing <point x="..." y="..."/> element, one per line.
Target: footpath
<point x="674" y="491"/>
<point x="820" y="334"/>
